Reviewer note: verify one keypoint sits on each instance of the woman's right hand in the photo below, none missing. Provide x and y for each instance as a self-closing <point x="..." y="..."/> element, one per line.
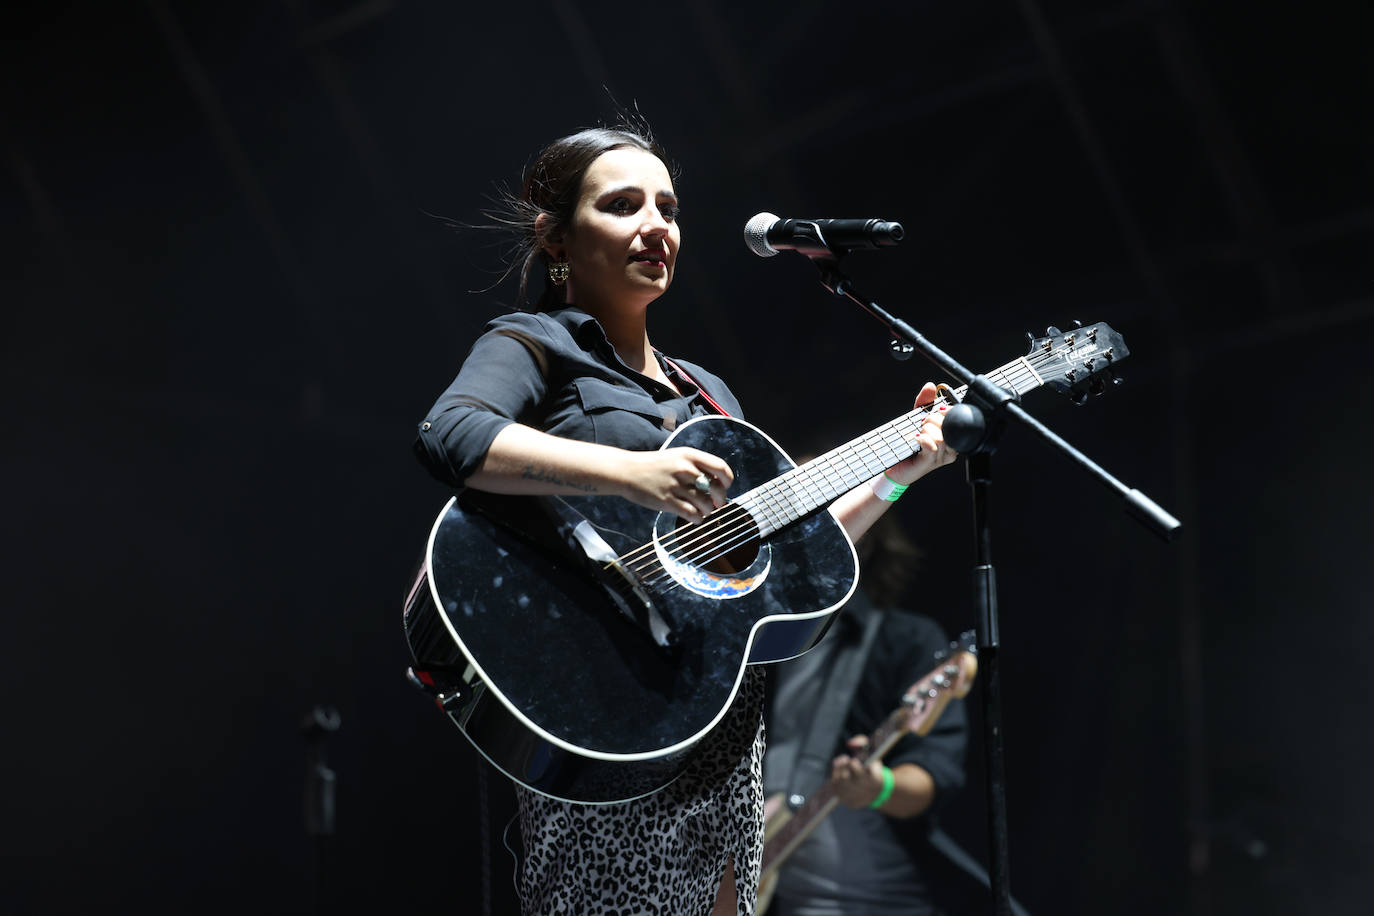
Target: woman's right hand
<point x="524" y="461"/>
<point x="666" y="480"/>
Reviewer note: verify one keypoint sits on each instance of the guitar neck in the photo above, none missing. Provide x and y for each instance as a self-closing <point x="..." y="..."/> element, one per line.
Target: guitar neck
<point x="801" y="491"/>
<point x="815" y="809"/>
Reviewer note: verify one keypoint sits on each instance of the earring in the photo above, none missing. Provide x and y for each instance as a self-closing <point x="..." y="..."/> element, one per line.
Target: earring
<point x="558" y="272"/>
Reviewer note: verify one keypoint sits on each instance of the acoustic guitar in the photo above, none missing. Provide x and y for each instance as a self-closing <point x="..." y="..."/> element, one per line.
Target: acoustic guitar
<point x="586" y="645"/>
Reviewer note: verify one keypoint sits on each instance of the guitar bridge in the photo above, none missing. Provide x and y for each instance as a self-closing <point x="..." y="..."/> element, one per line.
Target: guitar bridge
<point x="623" y="586"/>
<point x="551" y="525"/>
<point x="641" y="609"/>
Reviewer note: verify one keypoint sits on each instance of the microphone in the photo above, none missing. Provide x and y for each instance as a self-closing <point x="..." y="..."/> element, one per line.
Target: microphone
<point x="765" y="235"/>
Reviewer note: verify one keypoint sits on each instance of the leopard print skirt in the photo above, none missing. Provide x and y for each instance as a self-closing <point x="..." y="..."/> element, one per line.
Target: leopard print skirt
<point x="661" y="854"/>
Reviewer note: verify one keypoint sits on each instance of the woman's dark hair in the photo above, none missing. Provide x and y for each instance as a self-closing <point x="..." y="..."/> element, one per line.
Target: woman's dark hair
<point x="552" y="185"/>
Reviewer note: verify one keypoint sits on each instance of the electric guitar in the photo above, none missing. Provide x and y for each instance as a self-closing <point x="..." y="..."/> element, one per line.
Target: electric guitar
<point x="586" y="645"/>
<point x="784" y="829"/>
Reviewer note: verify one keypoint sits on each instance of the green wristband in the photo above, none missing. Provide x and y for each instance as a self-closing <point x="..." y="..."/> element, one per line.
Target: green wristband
<point x="887" y="489"/>
<point x="888" y="782"/>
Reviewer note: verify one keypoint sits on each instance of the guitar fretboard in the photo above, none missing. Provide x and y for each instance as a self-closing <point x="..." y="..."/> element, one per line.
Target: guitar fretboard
<point x="802" y="490"/>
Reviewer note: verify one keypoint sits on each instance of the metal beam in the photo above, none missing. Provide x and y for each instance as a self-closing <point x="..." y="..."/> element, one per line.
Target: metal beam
<point x="1251" y="213"/>
<point x="236" y="158"/>
<point x="387" y="193"/>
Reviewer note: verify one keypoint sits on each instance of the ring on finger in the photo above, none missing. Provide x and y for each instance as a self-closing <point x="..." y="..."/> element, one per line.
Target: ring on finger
<point x="703" y="482"/>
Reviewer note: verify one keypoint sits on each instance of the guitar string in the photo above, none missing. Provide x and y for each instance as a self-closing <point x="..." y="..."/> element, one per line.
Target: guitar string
<point x="732" y="529"/>
<point x="705" y="546"/>
<point x="813" y="496"/>
<point x="801" y="482"/>
<point x="826" y="464"/>
<point x="661" y="580"/>
<point x="838" y="475"/>
<point x="845" y="452"/>
<point x="809" y="492"/>
<point x="719" y="539"/>
<point x="797" y="485"/>
<point x="702" y="544"/>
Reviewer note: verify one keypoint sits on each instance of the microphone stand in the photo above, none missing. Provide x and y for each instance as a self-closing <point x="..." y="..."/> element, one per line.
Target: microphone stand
<point x="973" y="428"/>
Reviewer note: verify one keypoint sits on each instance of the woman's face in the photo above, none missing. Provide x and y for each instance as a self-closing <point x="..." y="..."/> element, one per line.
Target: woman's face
<point x="623" y="241"/>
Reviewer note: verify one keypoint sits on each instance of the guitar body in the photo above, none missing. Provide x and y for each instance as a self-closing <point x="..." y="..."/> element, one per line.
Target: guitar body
<point x="554" y="683"/>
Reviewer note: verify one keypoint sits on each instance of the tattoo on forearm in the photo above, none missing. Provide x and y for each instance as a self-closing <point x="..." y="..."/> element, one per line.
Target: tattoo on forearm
<point x="545" y="476"/>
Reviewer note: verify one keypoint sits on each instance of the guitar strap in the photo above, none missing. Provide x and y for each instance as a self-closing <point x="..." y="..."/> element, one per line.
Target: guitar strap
<point x="683" y="372"/>
<point x="812" y="765"/>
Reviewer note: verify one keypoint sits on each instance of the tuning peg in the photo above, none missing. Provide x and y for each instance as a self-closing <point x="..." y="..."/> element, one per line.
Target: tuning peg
<point x="1051" y="331"/>
<point x="1077" y="323"/>
<point x="1078" y="398"/>
<point x="1097" y="385"/>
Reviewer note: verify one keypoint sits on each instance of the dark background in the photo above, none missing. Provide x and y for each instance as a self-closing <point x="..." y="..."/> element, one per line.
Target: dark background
<point x="227" y="303"/>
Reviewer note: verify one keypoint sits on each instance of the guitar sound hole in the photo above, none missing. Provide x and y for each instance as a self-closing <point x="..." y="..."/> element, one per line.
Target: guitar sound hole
<point x="719" y="544"/>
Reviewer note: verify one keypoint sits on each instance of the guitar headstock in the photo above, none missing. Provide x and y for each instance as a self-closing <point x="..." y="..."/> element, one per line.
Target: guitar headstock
<point x="952" y="678"/>
<point x="1080" y="361"/>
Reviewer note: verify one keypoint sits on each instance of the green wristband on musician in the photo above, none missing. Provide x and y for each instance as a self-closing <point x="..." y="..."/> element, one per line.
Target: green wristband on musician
<point x="888" y="782"/>
<point x="887" y="489"/>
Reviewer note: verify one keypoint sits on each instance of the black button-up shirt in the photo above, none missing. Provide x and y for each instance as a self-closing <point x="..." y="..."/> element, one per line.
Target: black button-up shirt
<point x="556" y="371"/>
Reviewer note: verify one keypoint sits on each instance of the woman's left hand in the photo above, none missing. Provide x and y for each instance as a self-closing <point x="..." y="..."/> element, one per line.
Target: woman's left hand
<point x="934" y="452"/>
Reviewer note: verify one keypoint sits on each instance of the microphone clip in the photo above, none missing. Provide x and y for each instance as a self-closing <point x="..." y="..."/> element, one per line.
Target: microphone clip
<point x="809" y="239"/>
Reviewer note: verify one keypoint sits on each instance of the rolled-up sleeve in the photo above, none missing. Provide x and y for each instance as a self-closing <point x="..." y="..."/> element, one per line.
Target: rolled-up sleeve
<point x="502" y="381"/>
<point x="940" y="752"/>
